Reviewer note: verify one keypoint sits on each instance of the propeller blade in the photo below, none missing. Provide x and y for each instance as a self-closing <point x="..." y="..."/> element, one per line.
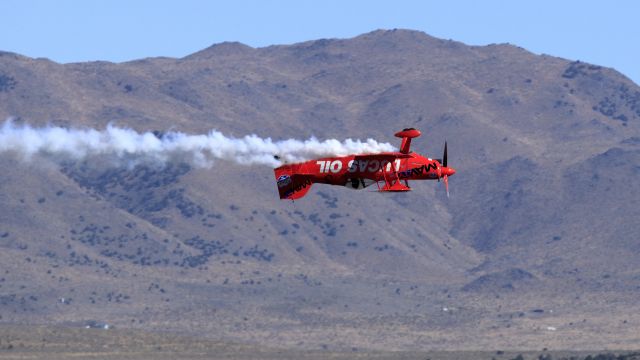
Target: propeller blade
<point x="446" y="184"/>
<point x="444" y="158"/>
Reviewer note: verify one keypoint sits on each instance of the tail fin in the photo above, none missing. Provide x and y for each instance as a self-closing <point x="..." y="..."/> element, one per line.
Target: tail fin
<point x="407" y="135"/>
<point x="291" y="185"/>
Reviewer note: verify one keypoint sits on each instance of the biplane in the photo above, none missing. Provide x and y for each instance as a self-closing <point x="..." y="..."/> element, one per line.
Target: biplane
<point x="390" y="171"/>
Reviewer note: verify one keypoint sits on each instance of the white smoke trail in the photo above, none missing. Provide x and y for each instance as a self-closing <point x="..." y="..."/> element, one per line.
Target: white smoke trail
<point x="128" y="146"/>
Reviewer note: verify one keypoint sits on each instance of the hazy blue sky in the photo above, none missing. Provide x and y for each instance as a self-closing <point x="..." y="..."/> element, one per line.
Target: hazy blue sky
<point x="601" y="32"/>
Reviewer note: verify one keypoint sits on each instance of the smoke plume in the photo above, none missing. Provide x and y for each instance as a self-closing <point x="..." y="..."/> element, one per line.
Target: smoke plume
<point x="126" y="146"/>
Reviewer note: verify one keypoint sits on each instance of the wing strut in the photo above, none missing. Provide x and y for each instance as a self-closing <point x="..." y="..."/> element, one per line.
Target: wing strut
<point x="392" y="181"/>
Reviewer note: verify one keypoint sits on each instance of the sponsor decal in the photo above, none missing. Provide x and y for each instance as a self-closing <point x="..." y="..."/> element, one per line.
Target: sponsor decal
<point x="419" y="171"/>
<point x="330" y="166"/>
<point x="375" y="165"/>
<point x="298" y="186"/>
<point x="354" y="166"/>
<point x="284" y="180"/>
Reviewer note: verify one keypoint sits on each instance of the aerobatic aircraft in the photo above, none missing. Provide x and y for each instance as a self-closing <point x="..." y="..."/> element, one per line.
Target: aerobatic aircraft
<point x="390" y="171"/>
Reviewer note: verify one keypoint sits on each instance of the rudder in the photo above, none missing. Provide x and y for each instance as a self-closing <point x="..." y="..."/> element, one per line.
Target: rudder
<point x="292" y="186"/>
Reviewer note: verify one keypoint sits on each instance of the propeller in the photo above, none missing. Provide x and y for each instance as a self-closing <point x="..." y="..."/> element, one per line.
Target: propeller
<point x="442" y="163"/>
<point x="444" y="157"/>
<point x="447" y="170"/>
<point x="443" y="171"/>
<point x="446" y="184"/>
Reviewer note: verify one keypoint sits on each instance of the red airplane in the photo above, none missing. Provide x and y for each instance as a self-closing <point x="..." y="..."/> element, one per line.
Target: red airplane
<point x="392" y="169"/>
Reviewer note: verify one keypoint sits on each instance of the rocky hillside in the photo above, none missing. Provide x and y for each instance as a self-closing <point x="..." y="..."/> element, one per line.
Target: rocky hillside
<point x="540" y="231"/>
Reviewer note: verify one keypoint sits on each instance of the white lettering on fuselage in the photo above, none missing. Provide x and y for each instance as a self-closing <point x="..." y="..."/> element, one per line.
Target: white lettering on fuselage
<point x="330" y="166"/>
<point x="374" y="165"/>
<point x="336" y="166"/>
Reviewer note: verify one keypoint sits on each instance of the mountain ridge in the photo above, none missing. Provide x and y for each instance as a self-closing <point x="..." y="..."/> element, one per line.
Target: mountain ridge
<point x="541" y="204"/>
